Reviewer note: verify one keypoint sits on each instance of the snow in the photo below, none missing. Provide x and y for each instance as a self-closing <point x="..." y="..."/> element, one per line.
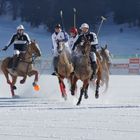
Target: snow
<point x="125" y="43"/>
<point x="44" y="115"/>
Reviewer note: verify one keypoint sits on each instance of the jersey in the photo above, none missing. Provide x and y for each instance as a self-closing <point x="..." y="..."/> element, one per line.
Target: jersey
<point x="90" y="36"/>
<point x="72" y="40"/>
<point x="61" y="36"/>
<point x="20" y="41"/>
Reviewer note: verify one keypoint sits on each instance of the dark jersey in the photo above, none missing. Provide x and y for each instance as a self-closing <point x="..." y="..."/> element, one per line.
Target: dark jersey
<point x="90" y="36"/>
<point x="20" y="41"/>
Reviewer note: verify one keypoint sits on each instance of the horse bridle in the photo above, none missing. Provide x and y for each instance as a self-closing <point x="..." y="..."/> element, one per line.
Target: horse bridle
<point x="33" y="57"/>
<point x="58" y="44"/>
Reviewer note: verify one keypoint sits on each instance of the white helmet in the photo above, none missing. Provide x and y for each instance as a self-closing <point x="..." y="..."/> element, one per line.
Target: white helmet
<point x="20" y="27"/>
<point x="84" y="25"/>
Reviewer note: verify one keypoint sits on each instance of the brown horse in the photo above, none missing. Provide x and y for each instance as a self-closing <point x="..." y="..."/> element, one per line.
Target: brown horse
<point x="83" y="72"/>
<point x="64" y="67"/>
<point x="24" y="68"/>
<point x="104" y="53"/>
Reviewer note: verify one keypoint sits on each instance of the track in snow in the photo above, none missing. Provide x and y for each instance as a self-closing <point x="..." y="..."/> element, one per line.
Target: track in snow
<point x="46" y="116"/>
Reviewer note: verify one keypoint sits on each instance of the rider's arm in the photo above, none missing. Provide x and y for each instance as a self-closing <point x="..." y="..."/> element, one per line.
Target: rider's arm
<point x="65" y="36"/>
<point x="11" y="41"/>
<point x="76" y="43"/>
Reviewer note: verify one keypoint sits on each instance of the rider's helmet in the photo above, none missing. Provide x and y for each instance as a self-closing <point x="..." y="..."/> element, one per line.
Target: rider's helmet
<point x="84" y="25"/>
<point x="74" y="30"/>
<point x="20" y="27"/>
<point x="58" y="26"/>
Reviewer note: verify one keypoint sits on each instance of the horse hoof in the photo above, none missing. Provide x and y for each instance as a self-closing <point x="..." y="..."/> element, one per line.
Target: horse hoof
<point x="86" y="96"/>
<point x="22" y="81"/>
<point x="34" y="84"/>
<point x="15" y="96"/>
<point x="78" y="103"/>
<point x="72" y="93"/>
<point x="65" y="97"/>
<point x="14" y="87"/>
<point x="96" y="96"/>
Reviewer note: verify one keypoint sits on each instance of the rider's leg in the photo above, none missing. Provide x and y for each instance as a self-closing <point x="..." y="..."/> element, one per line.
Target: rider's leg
<point x="55" y="62"/>
<point x="93" y="63"/>
<point x="15" y="60"/>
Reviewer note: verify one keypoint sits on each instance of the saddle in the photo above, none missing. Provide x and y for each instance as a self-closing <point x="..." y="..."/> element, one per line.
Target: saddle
<point x="14" y="61"/>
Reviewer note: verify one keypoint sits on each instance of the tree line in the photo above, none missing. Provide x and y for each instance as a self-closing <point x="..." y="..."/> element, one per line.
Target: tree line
<point x="47" y="12"/>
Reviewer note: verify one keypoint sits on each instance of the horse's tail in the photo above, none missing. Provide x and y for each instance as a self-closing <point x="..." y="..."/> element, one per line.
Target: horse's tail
<point x="4" y="65"/>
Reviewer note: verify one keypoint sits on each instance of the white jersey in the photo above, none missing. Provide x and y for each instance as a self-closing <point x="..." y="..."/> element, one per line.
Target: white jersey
<point x="61" y="36"/>
<point x="71" y="41"/>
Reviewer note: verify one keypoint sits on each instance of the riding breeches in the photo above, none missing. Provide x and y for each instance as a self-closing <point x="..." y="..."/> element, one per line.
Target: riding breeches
<point x="17" y="52"/>
<point x="55" y="63"/>
<point x="93" y="56"/>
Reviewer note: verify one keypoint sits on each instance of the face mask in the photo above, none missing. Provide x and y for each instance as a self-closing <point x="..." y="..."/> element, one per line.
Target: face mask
<point x="20" y="32"/>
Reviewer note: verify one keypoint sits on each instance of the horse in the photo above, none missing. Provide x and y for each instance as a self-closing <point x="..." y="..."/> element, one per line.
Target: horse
<point x="64" y="67"/>
<point x="24" y="67"/>
<point x="105" y="55"/>
<point x="83" y="72"/>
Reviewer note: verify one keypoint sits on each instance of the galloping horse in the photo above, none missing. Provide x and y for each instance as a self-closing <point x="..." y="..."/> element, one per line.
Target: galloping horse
<point x="64" y="67"/>
<point x="104" y="52"/>
<point x="24" y="68"/>
<point x="83" y="71"/>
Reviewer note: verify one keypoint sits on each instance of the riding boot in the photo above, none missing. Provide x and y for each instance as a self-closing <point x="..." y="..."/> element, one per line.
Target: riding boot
<point x="94" y="67"/>
<point x="55" y="63"/>
<point x="15" y="62"/>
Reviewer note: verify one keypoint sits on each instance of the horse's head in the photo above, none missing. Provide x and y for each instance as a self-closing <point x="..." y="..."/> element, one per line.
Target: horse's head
<point x="85" y="48"/>
<point x="104" y="52"/>
<point x="60" y="46"/>
<point x="33" y="48"/>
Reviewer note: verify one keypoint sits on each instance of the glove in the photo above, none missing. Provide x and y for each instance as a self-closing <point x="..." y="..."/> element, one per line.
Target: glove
<point x="5" y="48"/>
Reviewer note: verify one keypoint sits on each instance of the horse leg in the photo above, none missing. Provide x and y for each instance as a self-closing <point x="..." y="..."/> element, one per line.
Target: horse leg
<point x="83" y="91"/>
<point x="86" y="90"/>
<point x="6" y="74"/>
<point x="98" y="83"/>
<point x="73" y="85"/>
<point x="62" y="88"/>
<point x="12" y="85"/>
<point x="81" y="94"/>
<point x="34" y="72"/>
<point x="23" y="80"/>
